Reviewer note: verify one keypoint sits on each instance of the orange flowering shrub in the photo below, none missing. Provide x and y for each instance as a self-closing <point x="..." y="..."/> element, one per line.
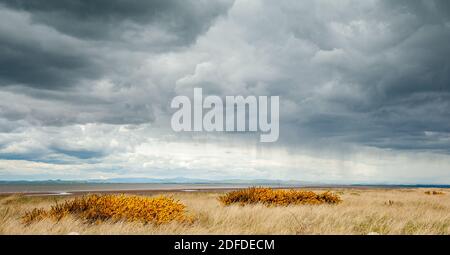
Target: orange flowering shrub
<point x="98" y="208"/>
<point x="434" y="192"/>
<point x="272" y="197"/>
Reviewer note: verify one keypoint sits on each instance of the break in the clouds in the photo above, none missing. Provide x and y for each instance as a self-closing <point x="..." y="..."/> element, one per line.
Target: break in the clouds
<point x="364" y="86"/>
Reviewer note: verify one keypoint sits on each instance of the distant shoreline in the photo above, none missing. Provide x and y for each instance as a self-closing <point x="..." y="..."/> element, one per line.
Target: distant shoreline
<point x="138" y="188"/>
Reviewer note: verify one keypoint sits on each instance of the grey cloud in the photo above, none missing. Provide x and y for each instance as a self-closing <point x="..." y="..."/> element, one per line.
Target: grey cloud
<point x="50" y="108"/>
<point x="58" y="44"/>
<point x="80" y="154"/>
<point x="105" y="19"/>
<point x="38" y="56"/>
<point x="391" y="78"/>
<point x="54" y="55"/>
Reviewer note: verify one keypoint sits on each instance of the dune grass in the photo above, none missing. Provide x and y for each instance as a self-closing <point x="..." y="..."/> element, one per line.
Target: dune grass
<point x="361" y="211"/>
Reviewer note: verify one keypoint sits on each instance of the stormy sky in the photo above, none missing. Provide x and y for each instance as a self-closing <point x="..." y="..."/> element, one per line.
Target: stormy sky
<point x="364" y="86"/>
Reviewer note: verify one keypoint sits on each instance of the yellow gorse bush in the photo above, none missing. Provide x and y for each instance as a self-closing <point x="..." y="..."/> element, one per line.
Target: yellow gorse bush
<point x="98" y="208"/>
<point x="434" y="192"/>
<point x="272" y="197"/>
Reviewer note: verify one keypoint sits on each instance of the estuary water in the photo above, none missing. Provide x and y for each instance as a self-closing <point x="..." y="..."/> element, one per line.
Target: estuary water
<point x="67" y="189"/>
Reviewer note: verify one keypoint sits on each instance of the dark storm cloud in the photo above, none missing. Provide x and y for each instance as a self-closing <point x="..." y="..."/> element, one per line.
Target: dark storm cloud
<point x="54" y="54"/>
<point x="400" y="81"/>
<point x="412" y="94"/>
<point x="432" y="11"/>
<point x="103" y="19"/>
<point x="57" y="44"/>
<point x="29" y="63"/>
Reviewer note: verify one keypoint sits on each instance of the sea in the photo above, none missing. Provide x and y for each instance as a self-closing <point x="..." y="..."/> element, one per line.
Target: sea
<point x="71" y="188"/>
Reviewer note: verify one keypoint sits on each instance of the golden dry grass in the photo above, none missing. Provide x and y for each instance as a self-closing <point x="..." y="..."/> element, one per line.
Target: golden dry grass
<point x="400" y="211"/>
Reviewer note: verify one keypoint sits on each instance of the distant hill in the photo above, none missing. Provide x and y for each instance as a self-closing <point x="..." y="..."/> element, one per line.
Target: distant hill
<point x="177" y="180"/>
